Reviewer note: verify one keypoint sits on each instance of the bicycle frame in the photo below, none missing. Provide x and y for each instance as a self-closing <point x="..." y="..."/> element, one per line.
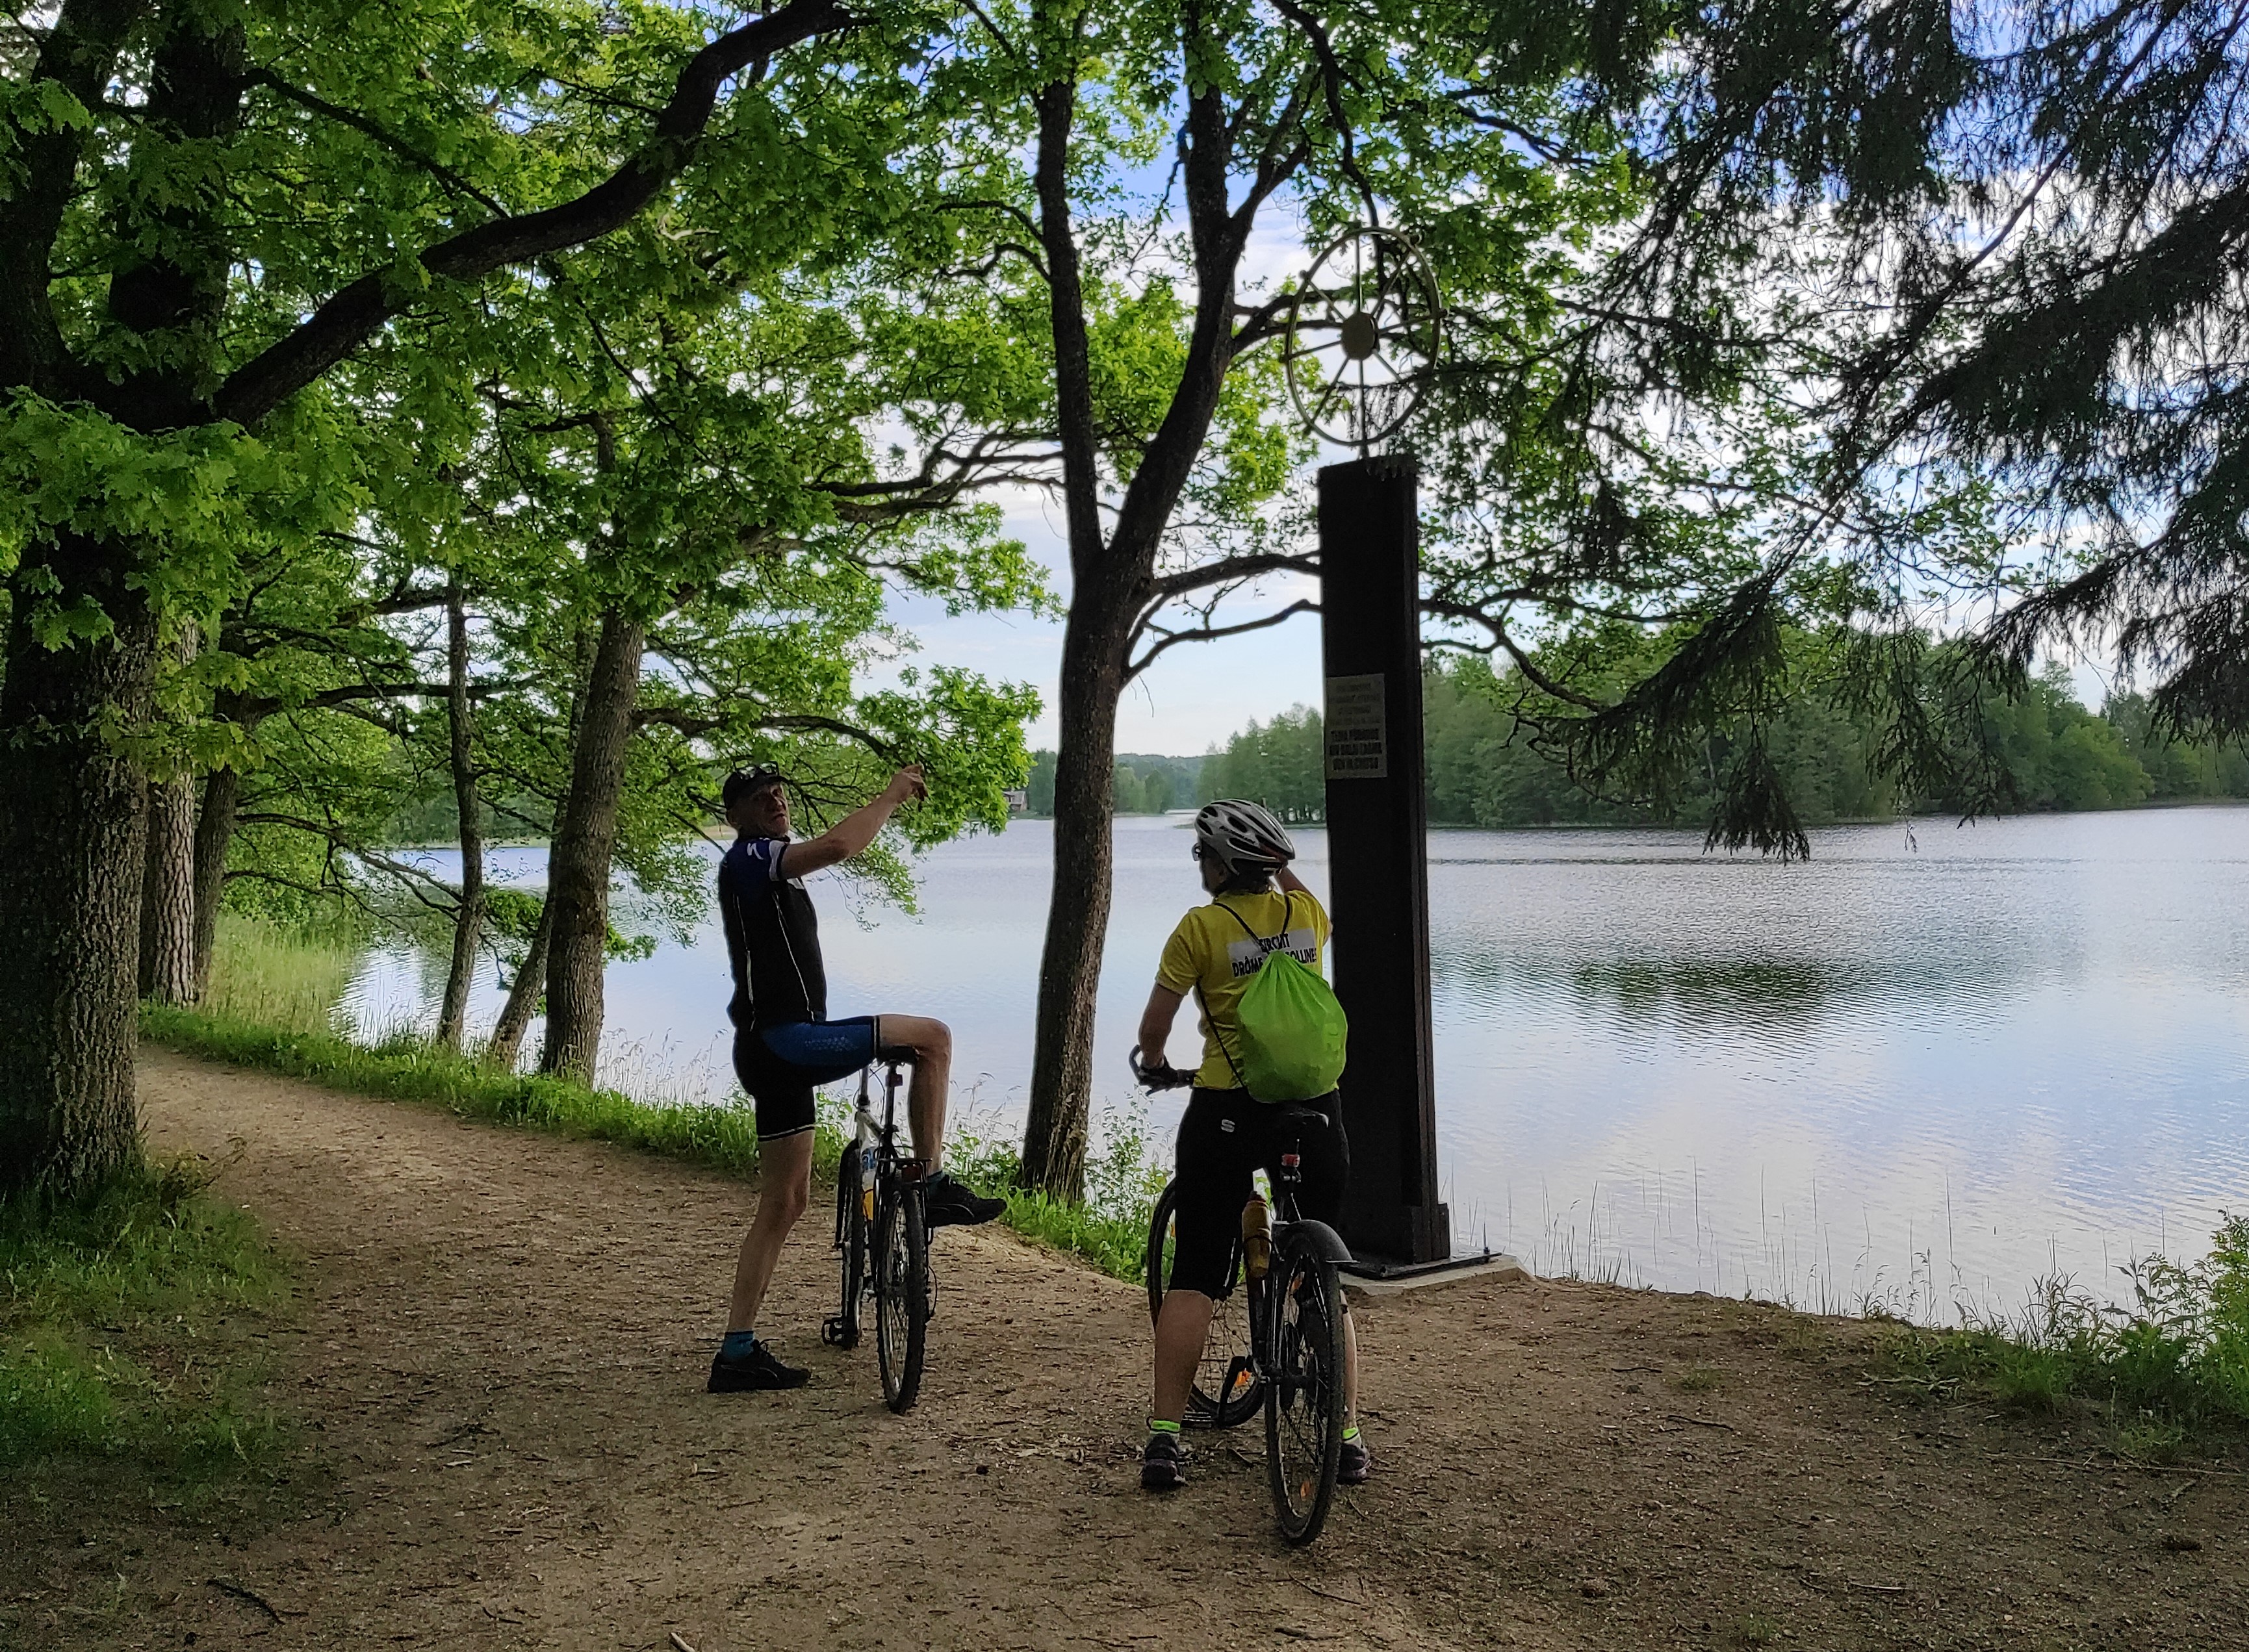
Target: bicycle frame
<point x="877" y="1146"/>
<point x="1288" y="1222"/>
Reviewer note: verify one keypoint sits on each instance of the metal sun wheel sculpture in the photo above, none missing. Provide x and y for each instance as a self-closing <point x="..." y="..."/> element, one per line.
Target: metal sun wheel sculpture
<point x="1363" y="336"/>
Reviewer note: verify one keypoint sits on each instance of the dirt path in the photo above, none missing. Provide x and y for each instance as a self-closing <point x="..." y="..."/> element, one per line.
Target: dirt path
<point x="501" y="1365"/>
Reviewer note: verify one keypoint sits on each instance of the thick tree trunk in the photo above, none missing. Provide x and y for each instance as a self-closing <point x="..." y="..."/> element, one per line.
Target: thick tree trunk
<point x="469" y="917"/>
<point x="168" y="882"/>
<point x="73" y="812"/>
<point x="577" y="863"/>
<point x="1077" y="914"/>
<point x="214" y="836"/>
<point x="530" y="985"/>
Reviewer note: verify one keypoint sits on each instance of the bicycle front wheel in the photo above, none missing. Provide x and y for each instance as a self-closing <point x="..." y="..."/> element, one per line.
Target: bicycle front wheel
<point x="1225" y="1392"/>
<point x="1304" y="1338"/>
<point x="901" y="1293"/>
<point x="842" y="1331"/>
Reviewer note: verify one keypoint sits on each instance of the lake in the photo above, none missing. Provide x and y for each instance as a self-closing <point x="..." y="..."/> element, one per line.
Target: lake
<point x="1926" y="1068"/>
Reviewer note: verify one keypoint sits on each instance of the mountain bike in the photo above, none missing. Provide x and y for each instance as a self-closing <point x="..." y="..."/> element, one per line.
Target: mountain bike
<point x="1286" y="1350"/>
<point x="883" y="1236"/>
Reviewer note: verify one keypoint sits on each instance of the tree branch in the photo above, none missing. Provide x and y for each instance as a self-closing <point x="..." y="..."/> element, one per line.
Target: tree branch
<point x="1497" y="630"/>
<point x="349" y="318"/>
<point x="1212" y="633"/>
<point x="79" y="54"/>
<point x="1169" y="586"/>
<point x="374" y="129"/>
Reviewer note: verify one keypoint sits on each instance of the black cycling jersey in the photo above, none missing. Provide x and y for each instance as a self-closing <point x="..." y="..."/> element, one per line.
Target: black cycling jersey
<point x="773" y="939"/>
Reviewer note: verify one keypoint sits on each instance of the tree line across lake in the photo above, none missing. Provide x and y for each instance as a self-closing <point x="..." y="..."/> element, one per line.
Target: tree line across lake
<point x="1486" y="768"/>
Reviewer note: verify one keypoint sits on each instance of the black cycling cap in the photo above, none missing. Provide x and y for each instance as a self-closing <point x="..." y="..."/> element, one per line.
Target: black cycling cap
<point x="742" y="782"/>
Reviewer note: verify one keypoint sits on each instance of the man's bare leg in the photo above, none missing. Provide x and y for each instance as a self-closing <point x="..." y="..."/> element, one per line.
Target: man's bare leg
<point x="784" y="1190"/>
<point x="932" y="1044"/>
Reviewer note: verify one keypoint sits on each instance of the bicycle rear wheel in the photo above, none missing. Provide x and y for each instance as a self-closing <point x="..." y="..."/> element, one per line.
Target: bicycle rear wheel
<point x="901" y="1293"/>
<point x="1225" y="1392"/>
<point x="1304" y="1340"/>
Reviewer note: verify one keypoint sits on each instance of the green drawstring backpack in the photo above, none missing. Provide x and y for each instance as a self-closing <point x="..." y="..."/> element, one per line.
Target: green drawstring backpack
<point x="1292" y="1030"/>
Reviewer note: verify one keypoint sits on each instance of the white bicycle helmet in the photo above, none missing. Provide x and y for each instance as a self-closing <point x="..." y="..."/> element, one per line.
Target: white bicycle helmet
<point x="1242" y="837"/>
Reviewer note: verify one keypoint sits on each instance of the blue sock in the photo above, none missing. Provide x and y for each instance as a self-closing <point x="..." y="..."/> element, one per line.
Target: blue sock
<point x="738" y="1344"/>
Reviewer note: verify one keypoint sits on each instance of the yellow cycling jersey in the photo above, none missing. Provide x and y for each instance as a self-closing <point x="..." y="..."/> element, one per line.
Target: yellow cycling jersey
<point x="1217" y="947"/>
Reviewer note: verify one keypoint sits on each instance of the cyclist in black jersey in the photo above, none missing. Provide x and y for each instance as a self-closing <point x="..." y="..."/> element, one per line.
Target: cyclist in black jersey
<point x="785" y="1044"/>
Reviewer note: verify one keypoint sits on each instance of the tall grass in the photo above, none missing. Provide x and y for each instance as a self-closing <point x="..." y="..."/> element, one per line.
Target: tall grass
<point x="125" y="1324"/>
<point x="286" y="980"/>
<point x="2175" y="1358"/>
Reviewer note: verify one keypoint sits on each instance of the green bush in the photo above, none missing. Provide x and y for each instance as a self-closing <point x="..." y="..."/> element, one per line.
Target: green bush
<point x="119" y="1327"/>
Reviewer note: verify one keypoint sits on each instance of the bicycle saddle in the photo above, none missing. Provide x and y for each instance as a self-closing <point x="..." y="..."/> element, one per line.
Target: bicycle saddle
<point x="1298" y="1113"/>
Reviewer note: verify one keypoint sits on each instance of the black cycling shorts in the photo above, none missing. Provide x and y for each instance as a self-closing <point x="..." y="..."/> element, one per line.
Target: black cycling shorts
<point x="1225" y="1136"/>
<point x="778" y="1066"/>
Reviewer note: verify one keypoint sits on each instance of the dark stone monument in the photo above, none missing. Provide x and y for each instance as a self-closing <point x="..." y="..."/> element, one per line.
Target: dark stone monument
<point x="1378" y="862"/>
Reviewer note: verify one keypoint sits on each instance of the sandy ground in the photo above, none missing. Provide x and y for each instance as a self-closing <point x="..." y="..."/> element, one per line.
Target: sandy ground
<point x="499" y="1368"/>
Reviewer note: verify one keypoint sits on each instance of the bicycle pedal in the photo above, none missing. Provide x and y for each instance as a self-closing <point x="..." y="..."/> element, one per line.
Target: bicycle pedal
<point x="835" y="1334"/>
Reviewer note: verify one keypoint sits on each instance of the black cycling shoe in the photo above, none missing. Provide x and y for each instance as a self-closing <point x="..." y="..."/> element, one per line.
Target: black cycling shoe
<point x="759" y="1369"/>
<point x="1163" y="1463"/>
<point x="948" y="1203"/>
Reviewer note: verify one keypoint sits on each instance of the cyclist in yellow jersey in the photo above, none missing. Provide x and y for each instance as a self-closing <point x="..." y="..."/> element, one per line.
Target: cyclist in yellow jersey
<point x="1257" y="907"/>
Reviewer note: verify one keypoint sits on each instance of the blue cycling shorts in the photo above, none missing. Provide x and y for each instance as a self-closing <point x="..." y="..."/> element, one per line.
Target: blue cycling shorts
<point x="780" y="1065"/>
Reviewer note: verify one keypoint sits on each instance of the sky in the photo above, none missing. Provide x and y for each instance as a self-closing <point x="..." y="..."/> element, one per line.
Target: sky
<point x="1193" y="698"/>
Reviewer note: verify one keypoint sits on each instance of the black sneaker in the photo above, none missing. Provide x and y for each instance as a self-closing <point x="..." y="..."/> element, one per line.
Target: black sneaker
<point x="1163" y="1463"/>
<point x="1354" y="1465"/>
<point x="759" y="1369"/>
<point x="948" y="1204"/>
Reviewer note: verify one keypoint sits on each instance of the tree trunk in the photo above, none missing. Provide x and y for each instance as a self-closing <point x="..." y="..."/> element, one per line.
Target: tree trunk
<point x="530" y="984"/>
<point x="1077" y="913"/>
<point x="167" y="893"/>
<point x="168" y="884"/>
<point x="469" y="917"/>
<point x="73" y="815"/>
<point x="1110" y="573"/>
<point x="585" y="843"/>
<point x="214" y="836"/>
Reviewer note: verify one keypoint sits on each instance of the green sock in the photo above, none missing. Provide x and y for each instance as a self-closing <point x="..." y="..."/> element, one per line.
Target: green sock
<point x="1156" y="1425"/>
<point x="1351" y="1432"/>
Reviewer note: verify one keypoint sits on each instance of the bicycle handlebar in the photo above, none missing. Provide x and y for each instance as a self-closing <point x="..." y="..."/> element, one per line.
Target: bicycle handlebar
<point x="1158" y="1078"/>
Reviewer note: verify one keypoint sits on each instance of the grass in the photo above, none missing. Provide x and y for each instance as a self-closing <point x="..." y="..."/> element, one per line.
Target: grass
<point x="288" y="980"/>
<point x="272" y="1004"/>
<point x="404" y="1069"/>
<point x="125" y="1322"/>
<point x="2175" y="1362"/>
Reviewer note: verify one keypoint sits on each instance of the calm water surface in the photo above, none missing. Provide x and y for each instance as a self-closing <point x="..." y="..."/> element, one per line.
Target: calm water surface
<point x="1924" y="1069"/>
